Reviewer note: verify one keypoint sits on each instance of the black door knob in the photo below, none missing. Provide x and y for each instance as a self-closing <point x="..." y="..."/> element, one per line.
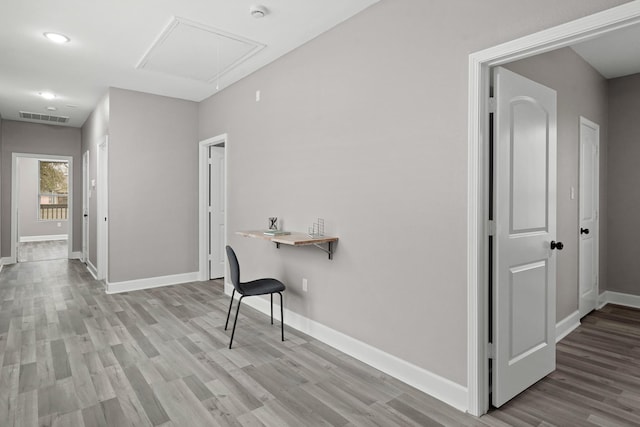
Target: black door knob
<point x="85" y="215"/>
<point x="557" y="245"/>
<point x="584" y="230"/>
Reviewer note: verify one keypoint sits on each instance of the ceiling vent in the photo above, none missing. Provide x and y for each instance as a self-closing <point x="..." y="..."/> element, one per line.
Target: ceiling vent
<point x="43" y="117"/>
<point x="195" y="51"/>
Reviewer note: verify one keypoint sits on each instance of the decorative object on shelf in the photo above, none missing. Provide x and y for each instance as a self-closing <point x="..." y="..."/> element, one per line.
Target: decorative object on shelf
<point x="273" y="223"/>
<point x="317" y="229"/>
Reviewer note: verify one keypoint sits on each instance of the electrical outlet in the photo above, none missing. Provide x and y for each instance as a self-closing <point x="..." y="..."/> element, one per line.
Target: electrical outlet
<point x="305" y="285"/>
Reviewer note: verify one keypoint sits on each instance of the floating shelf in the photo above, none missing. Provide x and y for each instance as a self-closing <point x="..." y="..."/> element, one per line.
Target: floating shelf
<point x="295" y="239"/>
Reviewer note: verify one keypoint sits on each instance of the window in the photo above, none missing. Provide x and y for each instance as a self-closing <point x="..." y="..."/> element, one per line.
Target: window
<point x="53" y="196"/>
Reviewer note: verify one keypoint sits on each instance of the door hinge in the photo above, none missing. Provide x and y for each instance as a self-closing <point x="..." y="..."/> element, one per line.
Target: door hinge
<point x="491" y="351"/>
<point x="210" y="160"/>
<point x="491" y="227"/>
<point x="492" y="105"/>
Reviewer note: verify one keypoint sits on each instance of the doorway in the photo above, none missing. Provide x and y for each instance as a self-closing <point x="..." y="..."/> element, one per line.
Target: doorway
<point x="41" y="207"/>
<point x="212" y="206"/>
<point x="479" y="227"/>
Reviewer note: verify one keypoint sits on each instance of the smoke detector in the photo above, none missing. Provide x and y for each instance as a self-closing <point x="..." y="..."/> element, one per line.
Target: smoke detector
<point x="258" y="11"/>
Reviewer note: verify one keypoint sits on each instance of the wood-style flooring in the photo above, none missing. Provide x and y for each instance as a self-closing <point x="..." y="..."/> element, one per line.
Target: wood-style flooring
<point x="71" y="355"/>
<point x="42" y="251"/>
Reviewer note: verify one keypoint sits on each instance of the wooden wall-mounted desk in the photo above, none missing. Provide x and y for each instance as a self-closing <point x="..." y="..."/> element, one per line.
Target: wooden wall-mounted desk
<point x="294" y="239"/>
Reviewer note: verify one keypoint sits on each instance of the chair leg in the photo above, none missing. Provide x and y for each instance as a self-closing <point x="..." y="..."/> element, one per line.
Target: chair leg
<point x="281" y="315"/>
<point x="233" y="331"/>
<point x="272" y="308"/>
<point x="229" y="312"/>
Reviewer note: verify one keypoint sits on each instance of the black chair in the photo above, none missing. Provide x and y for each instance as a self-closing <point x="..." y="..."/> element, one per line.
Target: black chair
<point x="248" y="289"/>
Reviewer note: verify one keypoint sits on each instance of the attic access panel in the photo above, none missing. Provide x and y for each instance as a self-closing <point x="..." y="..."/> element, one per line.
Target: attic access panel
<point x="192" y="50"/>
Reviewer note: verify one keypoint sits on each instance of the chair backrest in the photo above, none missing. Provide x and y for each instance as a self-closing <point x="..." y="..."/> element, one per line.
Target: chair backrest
<point x="234" y="268"/>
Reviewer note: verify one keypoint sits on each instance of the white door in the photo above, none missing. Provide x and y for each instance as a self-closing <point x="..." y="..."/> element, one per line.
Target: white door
<point x="102" y="190"/>
<point x="216" y="212"/>
<point x="85" y="207"/>
<point x="589" y="201"/>
<point x="524" y="279"/>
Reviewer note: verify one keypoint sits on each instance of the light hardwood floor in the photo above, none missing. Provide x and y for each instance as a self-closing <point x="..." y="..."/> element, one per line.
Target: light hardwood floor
<point x="73" y="356"/>
<point x="42" y="251"/>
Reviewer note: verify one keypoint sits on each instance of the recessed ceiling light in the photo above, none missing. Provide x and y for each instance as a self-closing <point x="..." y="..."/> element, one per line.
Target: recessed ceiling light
<point x="47" y="95"/>
<point x="57" y="38"/>
<point x="51" y="108"/>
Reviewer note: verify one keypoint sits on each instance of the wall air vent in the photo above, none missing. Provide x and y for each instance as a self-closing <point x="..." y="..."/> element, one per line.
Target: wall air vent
<point x="43" y="117"/>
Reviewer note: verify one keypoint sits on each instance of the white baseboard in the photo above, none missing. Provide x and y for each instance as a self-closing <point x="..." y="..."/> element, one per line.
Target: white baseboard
<point x="7" y="260"/>
<point x="567" y="325"/>
<point x="75" y="255"/>
<point x="441" y="388"/>
<point x="602" y="300"/>
<point x="47" y="238"/>
<point x="611" y="297"/>
<point x="151" y="282"/>
<point x="92" y="269"/>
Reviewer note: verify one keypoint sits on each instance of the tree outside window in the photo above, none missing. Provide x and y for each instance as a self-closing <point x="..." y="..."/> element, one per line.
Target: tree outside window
<point x="54" y="190"/>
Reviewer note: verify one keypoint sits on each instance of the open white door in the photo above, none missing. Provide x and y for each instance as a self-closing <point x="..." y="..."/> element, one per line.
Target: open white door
<point x="216" y="212"/>
<point x="589" y="201"/>
<point x="524" y="280"/>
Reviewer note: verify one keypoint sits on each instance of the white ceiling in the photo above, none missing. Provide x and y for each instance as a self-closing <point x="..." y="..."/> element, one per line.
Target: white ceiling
<point x="615" y="54"/>
<point x="129" y="44"/>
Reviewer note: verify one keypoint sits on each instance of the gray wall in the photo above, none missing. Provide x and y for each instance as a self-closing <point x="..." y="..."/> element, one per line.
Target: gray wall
<point x="33" y="138"/>
<point x="94" y="130"/>
<point x="582" y="91"/>
<point x="624" y="191"/>
<point x="366" y="126"/>
<point x="28" y="188"/>
<point x="1" y="189"/>
<point x="153" y="186"/>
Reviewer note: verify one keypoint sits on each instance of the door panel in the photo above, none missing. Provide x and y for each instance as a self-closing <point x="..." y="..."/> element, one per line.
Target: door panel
<point x="589" y="228"/>
<point x="529" y="150"/>
<point x="527" y="304"/>
<point x="525" y="215"/>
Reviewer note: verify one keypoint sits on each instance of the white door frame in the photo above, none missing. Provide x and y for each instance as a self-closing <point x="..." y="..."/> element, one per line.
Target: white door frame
<point x="13" y="258"/>
<point x="102" y="217"/>
<point x="204" y="232"/>
<point x="85" y="206"/>
<point x="477" y="186"/>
